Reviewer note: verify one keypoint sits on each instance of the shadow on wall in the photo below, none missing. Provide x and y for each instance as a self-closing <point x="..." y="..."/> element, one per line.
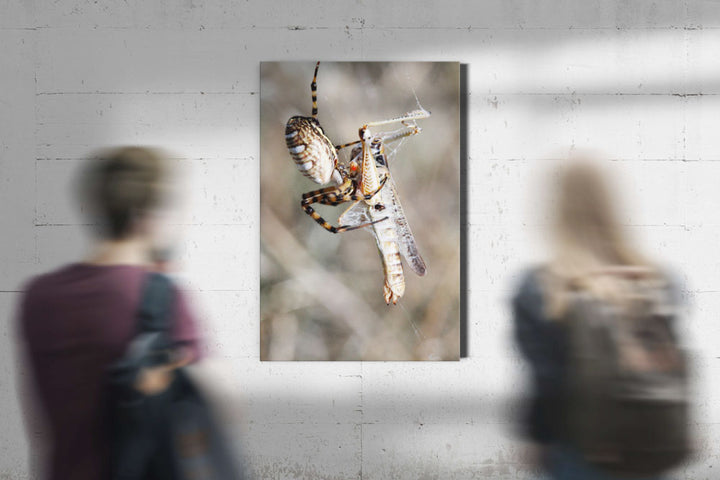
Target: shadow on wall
<point x="317" y="440"/>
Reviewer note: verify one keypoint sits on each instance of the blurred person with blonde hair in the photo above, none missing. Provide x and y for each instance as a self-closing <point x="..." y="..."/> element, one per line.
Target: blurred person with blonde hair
<point x="76" y="321"/>
<point x="595" y="324"/>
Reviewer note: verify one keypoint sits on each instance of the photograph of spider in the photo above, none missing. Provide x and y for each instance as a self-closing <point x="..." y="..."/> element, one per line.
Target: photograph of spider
<point x="329" y="291"/>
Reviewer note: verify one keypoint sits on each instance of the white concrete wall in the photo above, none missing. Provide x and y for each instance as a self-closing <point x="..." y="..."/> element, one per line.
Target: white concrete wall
<point x="640" y="80"/>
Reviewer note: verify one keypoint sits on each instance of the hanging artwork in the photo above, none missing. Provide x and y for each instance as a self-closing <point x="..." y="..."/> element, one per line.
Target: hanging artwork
<point x="360" y="211"/>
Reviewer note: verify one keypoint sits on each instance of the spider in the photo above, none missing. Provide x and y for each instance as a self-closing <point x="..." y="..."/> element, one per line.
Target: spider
<point x="313" y="152"/>
<point x="316" y="158"/>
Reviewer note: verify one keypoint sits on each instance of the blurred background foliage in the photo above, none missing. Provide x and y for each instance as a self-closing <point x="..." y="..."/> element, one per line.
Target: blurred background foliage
<point x="321" y="293"/>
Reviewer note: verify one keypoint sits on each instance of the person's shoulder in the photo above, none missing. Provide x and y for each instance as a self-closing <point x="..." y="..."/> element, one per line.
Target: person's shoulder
<point x="40" y="282"/>
<point x="173" y="284"/>
<point x="671" y="275"/>
<point x="675" y="283"/>
<point x="528" y="283"/>
<point x="169" y="281"/>
<point x="528" y="299"/>
<point x="35" y="293"/>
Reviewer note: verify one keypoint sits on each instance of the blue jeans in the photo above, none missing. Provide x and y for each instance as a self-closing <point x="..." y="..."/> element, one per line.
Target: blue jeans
<point x="565" y="463"/>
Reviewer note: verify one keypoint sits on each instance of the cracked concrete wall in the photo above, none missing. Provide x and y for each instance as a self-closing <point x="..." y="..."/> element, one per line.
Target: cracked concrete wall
<point x="638" y="80"/>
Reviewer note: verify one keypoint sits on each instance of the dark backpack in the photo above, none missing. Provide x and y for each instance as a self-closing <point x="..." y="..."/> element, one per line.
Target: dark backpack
<point x="172" y="435"/>
<point x="627" y="409"/>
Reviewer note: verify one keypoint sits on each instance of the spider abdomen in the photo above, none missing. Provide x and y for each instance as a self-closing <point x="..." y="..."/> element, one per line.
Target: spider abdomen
<point x="313" y="153"/>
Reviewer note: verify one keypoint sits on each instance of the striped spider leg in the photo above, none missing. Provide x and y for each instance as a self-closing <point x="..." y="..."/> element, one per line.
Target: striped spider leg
<point x="346" y="192"/>
<point x="393" y="237"/>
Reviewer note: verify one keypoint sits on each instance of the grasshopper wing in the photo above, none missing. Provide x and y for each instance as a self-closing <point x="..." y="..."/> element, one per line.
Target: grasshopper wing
<point x="406" y="239"/>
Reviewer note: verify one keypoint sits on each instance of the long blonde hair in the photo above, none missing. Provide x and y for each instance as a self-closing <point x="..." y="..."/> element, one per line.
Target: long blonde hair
<point x="587" y="238"/>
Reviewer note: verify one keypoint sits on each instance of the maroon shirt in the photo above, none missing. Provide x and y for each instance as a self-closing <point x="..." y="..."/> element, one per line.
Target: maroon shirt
<point x="76" y="321"/>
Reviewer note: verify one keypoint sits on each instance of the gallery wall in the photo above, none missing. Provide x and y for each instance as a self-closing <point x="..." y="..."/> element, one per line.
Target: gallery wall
<point x="638" y="81"/>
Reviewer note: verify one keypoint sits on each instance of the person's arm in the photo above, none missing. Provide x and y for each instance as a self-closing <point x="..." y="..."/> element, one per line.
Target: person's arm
<point x="541" y="342"/>
<point x="33" y="417"/>
<point x="185" y="332"/>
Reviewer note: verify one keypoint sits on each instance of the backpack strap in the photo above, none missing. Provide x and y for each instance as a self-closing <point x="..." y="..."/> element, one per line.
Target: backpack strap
<point x="629" y="271"/>
<point x="155" y="312"/>
<point x="153" y="344"/>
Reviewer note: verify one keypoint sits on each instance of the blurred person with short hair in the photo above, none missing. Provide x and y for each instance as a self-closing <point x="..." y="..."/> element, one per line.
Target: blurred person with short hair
<point x="609" y="381"/>
<point x="76" y="321"/>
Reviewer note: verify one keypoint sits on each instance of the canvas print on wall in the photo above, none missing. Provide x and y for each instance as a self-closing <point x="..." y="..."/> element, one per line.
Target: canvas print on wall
<point x="360" y="211"/>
